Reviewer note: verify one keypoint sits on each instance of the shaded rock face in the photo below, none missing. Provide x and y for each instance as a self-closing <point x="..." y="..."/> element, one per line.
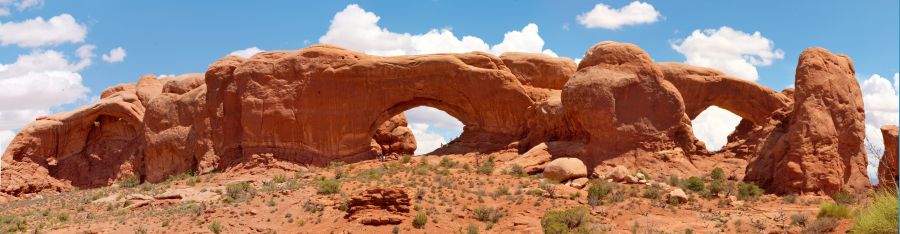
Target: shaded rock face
<point x="323" y="104"/>
<point x="818" y="145"/>
<point x="887" y="167"/>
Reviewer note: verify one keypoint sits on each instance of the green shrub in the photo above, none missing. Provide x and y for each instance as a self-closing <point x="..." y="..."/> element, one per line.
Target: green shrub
<point x="843" y="197"/>
<point x="717" y="174"/>
<point x="878" y="217"/>
<point x="12" y="224"/>
<point x="564" y="221"/>
<point x="487" y="167"/>
<point x="130" y="182"/>
<point x="517" y="171"/>
<point x="821" y="225"/>
<point x="406" y="158"/>
<point x="716" y="187"/>
<point x="446" y="162"/>
<point x="833" y="210"/>
<point x="472" y="229"/>
<point x="240" y="191"/>
<point x="215" y="227"/>
<point x="748" y="191"/>
<point x="329" y="187"/>
<point x="597" y="191"/>
<point x="420" y="220"/>
<point x="487" y="214"/>
<point x="694" y="184"/>
<point x="799" y="220"/>
<point x="653" y="192"/>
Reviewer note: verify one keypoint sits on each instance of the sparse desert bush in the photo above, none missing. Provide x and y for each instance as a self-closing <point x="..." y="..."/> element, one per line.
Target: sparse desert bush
<point x="130" y="182"/>
<point x="799" y="220"/>
<point x="240" y="191"/>
<point x="472" y="229"/>
<point x="748" y="191"/>
<point x="329" y="187"/>
<point x="843" y="197"/>
<point x="790" y="198"/>
<point x="716" y="187"/>
<point x="517" y="171"/>
<point x="833" y="210"/>
<point x="215" y="227"/>
<point x="821" y="225"/>
<point x="674" y="181"/>
<point x="880" y="216"/>
<point x="653" y="192"/>
<point x="420" y="220"/>
<point x="566" y="221"/>
<point x="406" y="158"/>
<point x="486" y="167"/>
<point x="694" y="184"/>
<point x="12" y="224"/>
<point x="487" y="214"/>
<point x="597" y="191"/>
<point x="717" y="174"/>
<point x="446" y="162"/>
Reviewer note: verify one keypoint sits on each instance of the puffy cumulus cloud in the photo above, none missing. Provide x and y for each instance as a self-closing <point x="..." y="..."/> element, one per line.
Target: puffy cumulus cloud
<point x="46" y="79"/>
<point x="246" y="53"/>
<point x="882" y="103"/>
<point x="734" y="52"/>
<point x="603" y="16"/>
<point x="713" y="125"/>
<point x="432" y="127"/>
<point x="434" y="117"/>
<point x="356" y="29"/>
<point x="39" y="32"/>
<point x="426" y="140"/>
<point x="20" y="5"/>
<point x="116" y="55"/>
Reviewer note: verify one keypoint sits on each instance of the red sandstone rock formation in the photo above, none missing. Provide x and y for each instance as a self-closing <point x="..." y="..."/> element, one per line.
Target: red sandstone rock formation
<point x="379" y="206"/>
<point x="323" y="104"/>
<point x="818" y="145"/>
<point x="887" y="167"/>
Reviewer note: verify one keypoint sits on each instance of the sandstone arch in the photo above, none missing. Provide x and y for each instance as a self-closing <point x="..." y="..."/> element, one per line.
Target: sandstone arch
<point x="702" y="87"/>
<point x="322" y="103"/>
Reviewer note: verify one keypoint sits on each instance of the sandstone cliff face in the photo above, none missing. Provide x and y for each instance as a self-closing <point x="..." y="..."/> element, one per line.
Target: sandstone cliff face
<point x="887" y="167"/>
<point x="322" y="104"/>
<point x="620" y="100"/>
<point x="818" y="146"/>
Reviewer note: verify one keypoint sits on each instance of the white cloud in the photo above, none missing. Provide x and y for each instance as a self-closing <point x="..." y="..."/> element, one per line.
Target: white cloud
<point x="25" y="4"/>
<point x="426" y="140"/>
<point x="85" y="53"/>
<point x="713" y="125"/>
<point x="39" y="32"/>
<point x="116" y="55"/>
<point x="603" y="16"/>
<point x="246" y="53"/>
<point x="734" y="52"/>
<point x="356" y="29"/>
<point x="5" y="137"/>
<point x="4" y="12"/>
<point x="882" y="105"/>
<point x="45" y="78"/>
<point x="434" y="117"/>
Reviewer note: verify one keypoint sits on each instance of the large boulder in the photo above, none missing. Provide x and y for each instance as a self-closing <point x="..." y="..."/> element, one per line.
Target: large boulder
<point x="393" y="137"/>
<point x="620" y="100"/>
<point x="562" y="169"/>
<point x="887" y="167"/>
<point x="818" y="146"/>
<point x="378" y="206"/>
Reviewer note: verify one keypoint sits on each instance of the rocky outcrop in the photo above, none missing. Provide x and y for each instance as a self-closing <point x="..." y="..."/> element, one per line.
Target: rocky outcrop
<point x="619" y="100"/>
<point x="563" y="169"/>
<point x="818" y="145"/>
<point x="702" y="87"/>
<point x="887" y="167"/>
<point x="323" y="104"/>
<point x="394" y="137"/>
<point x="378" y="206"/>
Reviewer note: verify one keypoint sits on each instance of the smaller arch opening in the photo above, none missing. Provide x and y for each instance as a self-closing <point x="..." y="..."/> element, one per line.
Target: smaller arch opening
<point x="713" y="125"/>
<point x="432" y="128"/>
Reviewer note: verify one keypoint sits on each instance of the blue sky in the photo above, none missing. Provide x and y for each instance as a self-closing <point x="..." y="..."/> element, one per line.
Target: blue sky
<point x="175" y="37"/>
